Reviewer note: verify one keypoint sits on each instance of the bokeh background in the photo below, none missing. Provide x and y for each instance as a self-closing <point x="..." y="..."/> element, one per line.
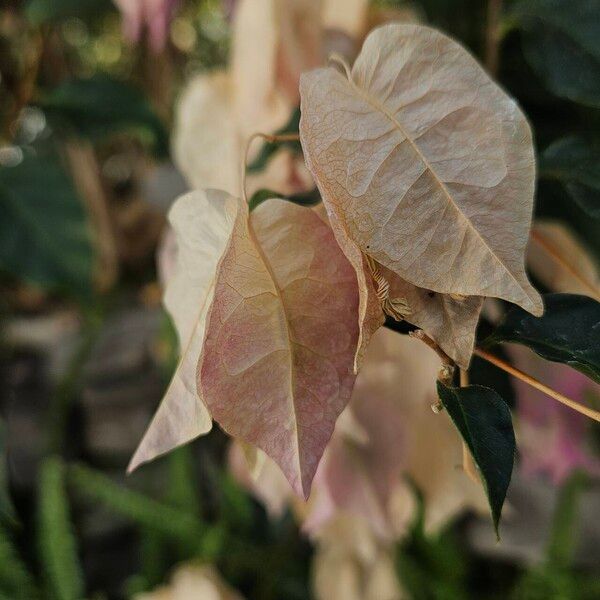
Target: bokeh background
<point x="89" y="109"/>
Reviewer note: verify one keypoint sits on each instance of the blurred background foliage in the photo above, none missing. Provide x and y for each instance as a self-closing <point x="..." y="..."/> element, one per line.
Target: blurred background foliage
<point x="85" y="182"/>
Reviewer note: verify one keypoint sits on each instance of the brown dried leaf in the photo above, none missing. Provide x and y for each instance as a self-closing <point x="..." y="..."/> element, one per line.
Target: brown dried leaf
<point x="425" y="163"/>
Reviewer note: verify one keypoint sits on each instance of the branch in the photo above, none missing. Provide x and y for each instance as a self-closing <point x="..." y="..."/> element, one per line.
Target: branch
<point x="538" y="385"/>
<point x="271" y="139"/>
<point x="492" y="36"/>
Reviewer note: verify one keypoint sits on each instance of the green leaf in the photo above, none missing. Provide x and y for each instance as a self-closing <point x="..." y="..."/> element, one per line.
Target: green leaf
<point x="311" y="198"/>
<point x="484" y="422"/>
<point x="101" y="105"/>
<point x="7" y="510"/>
<point x="568" y="332"/>
<point x="162" y="518"/>
<point x="16" y="582"/>
<point x="39" y="12"/>
<point x="561" y="42"/>
<point x="58" y="548"/>
<point x="44" y="233"/>
<point x="575" y="163"/>
<point x="268" y="149"/>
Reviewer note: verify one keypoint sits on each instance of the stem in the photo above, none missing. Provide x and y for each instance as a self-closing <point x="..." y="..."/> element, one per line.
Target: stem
<point x="270" y="139"/>
<point x="538" y="385"/>
<point x="546" y="245"/>
<point x="446" y="373"/>
<point x="492" y="36"/>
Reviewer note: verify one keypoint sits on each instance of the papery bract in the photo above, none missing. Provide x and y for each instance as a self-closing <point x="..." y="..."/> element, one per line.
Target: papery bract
<point x="426" y="164"/>
<point x="276" y="368"/>
<point x="202" y="223"/>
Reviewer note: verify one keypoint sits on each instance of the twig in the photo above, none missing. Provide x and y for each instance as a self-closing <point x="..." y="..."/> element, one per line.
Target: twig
<point x="538" y="385"/>
<point x="552" y="252"/>
<point x="446" y="374"/>
<point x="492" y="36"/>
<point x="271" y="139"/>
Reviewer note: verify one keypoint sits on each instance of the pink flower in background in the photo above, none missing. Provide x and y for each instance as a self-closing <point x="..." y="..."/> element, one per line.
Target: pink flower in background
<point x="553" y="440"/>
<point x="153" y="15"/>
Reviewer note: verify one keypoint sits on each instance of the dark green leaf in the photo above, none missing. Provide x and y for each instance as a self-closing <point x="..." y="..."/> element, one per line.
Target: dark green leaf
<point x="561" y="42"/>
<point x="484" y="422"/>
<point x="268" y="149"/>
<point x="7" y="510"/>
<point x="576" y="165"/>
<point x="568" y="332"/>
<point x="311" y="198"/>
<point x="44" y="234"/>
<point x="101" y="105"/>
<point x="44" y="11"/>
<point x="16" y="582"/>
<point x="58" y="548"/>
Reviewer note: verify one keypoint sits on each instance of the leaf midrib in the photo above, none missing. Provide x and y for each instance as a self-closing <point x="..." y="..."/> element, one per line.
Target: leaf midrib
<point x="383" y="110"/>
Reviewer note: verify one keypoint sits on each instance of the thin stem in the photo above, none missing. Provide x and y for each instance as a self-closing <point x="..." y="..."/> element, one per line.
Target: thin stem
<point x="446" y="373"/>
<point x="271" y="139"/>
<point x="538" y="385"/>
<point x="492" y="36"/>
<point x="539" y="239"/>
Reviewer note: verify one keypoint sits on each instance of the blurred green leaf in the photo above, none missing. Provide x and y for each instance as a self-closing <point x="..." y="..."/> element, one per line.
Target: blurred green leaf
<point x="43" y="11"/>
<point x="101" y="105"/>
<point x="568" y="332"/>
<point x="16" y="581"/>
<point x="7" y="509"/>
<point x="311" y="198"/>
<point x="483" y="419"/>
<point x="575" y="163"/>
<point x="57" y="544"/>
<point x="170" y="522"/>
<point x="44" y="234"/>
<point x="561" y="42"/>
<point x="268" y="149"/>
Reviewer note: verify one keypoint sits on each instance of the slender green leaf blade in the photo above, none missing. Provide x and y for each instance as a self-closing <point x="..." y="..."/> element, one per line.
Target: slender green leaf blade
<point x="561" y="42"/>
<point x="483" y="419"/>
<point x="568" y="332"/>
<point x="575" y="163"/>
<point x="58" y="548"/>
<point x="7" y="509"/>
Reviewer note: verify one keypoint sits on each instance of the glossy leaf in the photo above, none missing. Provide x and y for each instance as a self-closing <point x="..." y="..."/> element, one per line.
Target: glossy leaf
<point x="484" y="422"/>
<point x="575" y="163"/>
<point x="44" y="232"/>
<point x="425" y="163"/>
<point x="569" y="332"/>
<point x="100" y="105"/>
<point x="561" y="41"/>
<point x="276" y="367"/>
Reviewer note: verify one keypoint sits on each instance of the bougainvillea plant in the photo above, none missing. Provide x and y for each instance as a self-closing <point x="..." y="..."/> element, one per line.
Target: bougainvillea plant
<point x="424" y="174"/>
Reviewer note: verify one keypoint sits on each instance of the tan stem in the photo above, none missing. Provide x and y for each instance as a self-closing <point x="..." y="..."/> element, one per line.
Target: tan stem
<point x="446" y="373"/>
<point x="492" y="36"/>
<point x="271" y="139"/>
<point x="547" y="246"/>
<point x="538" y="385"/>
